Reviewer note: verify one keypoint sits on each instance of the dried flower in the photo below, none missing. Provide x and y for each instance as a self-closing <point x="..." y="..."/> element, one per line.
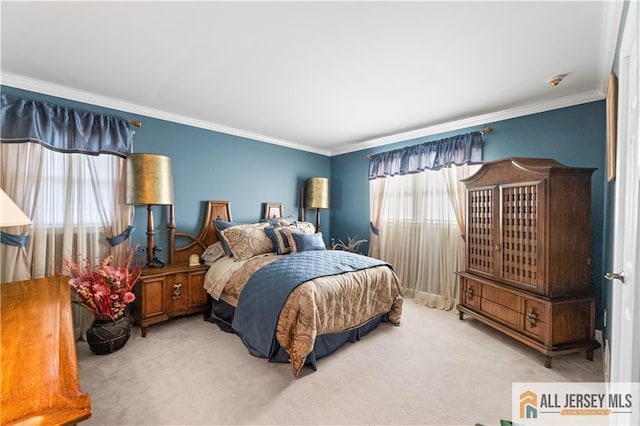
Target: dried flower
<point x="104" y="289"/>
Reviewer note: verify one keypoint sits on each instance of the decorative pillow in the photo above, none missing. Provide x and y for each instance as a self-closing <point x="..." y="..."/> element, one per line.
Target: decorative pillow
<point x="308" y="227"/>
<point x="280" y="238"/>
<point x="246" y="241"/>
<point x="289" y="231"/>
<point x="214" y="252"/>
<point x="308" y="242"/>
<point x="220" y="226"/>
<point x="281" y="221"/>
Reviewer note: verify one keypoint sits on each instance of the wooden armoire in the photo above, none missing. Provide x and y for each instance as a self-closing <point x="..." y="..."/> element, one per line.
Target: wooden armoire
<point x="528" y="254"/>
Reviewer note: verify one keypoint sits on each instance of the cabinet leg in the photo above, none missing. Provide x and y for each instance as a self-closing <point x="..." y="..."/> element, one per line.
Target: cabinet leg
<point x="590" y="354"/>
<point x="143" y="331"/>
<point x="547" y="361"/>
<point x="460" y="315"/>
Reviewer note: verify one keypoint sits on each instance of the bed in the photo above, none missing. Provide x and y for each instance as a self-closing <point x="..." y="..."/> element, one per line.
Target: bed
<point x="289" y="299"/>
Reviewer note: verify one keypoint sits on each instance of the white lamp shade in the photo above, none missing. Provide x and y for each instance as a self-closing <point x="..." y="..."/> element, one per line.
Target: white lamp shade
<point x="10" y="213"/>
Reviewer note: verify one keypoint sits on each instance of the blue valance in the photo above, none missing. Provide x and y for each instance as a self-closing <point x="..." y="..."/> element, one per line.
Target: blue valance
<point x="458" y="150"/>
<point x="63" y="129"/>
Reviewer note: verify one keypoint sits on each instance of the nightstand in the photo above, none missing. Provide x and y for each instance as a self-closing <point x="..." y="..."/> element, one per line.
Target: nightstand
<point x="165" y="293"/>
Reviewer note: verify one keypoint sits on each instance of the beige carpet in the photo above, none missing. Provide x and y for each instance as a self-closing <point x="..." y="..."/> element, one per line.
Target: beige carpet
<point x="432" y="369"/>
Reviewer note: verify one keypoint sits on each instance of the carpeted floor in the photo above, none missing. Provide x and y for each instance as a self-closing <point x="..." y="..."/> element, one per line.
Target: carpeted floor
<point x="433" y="369"/>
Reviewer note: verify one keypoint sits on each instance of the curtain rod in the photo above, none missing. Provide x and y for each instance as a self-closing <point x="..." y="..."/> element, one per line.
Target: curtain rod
<point x="483" y="132"/>
<point x="135" y="123"/>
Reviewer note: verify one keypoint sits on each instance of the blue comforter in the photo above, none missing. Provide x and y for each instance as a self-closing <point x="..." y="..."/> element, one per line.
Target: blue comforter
<point x="266" y="292"/>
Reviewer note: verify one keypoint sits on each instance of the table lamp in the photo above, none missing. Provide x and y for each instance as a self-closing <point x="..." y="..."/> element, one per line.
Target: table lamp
<point x="149" y="182"/>
<point x="317" y="196"/>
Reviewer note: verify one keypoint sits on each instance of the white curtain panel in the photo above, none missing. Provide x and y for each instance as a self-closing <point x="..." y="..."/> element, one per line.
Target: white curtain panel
<point x="377" y="197"/>
<point x="421" y="233"/>
<point x="75" y="201"/>
<point x="20" y="174"/>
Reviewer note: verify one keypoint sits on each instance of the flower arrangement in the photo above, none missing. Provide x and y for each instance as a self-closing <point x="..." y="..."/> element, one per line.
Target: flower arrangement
<point x="104" y="289"/>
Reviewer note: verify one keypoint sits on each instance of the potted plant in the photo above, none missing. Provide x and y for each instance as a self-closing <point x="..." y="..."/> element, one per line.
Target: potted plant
<point x="352" y="244"/>
<point x="105" y="289"/>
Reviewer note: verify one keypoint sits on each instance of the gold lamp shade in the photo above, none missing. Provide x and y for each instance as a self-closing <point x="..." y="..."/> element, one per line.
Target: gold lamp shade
<point x="149" y="179"/>
<point x="317" y="196"/>
<point x="317" y="193"/>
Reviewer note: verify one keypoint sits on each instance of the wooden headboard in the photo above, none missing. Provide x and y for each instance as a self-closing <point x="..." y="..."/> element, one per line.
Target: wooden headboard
<point x="197" y="244"/>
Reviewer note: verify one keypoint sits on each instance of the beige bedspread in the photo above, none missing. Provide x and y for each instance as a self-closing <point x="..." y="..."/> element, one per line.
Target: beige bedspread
<point x="320" y="306"/>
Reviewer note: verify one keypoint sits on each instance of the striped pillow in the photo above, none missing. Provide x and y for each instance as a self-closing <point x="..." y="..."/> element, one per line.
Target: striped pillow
<point x="279" y="237"/>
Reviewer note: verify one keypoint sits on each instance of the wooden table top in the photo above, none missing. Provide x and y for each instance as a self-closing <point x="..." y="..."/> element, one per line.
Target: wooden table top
<point x="39" y="365"/>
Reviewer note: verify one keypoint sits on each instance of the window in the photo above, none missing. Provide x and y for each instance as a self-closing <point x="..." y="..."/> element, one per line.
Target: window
<point x="418" y="198"/>
<point x="74" y="186"/>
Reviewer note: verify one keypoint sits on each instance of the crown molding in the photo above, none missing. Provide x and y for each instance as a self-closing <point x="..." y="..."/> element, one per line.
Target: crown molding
<point x="51" y="89"/>
<point x="480" y="120"/>
<point x="39" y="86"/>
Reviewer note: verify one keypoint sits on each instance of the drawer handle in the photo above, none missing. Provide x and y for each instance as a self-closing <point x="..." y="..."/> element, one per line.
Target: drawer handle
<point x="469" y="293"/>
<point x="177" y="291"/>
<point x="532" y="318"/>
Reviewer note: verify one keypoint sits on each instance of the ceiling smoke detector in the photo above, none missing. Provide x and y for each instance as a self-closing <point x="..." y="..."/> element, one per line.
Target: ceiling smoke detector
<point x="556" y="79"/>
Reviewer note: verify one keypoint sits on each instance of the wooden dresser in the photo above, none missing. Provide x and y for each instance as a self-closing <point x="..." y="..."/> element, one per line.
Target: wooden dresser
<point x="39" y="364"/>
<point x="164" y="293"/>
<point x="528" y="254"/>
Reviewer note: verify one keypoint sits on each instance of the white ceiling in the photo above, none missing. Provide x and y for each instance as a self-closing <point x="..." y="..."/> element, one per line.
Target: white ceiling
<point x="326" y="77"/>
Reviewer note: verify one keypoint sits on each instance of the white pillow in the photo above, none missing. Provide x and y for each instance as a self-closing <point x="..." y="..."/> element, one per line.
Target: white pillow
<point x="212" y="253"/>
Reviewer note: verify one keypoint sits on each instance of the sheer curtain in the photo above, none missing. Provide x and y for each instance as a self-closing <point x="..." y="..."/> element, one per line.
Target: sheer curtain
<point x="20" y="172"/>
<point x="377" y="195"/>
<point x="64" y="169"/>
<point x="458" y="198"/>
<point x="418" y="215"/>
<point x="419" y="236"/>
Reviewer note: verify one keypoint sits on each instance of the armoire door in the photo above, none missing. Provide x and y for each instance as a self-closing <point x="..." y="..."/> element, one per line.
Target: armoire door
<point x="482" y="205"/>
<point x="519" y="260"/>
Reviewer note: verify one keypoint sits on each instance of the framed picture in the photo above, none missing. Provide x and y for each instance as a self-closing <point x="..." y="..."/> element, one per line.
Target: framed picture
<point x="612" y="123"/>
<point x="272" y="211"/>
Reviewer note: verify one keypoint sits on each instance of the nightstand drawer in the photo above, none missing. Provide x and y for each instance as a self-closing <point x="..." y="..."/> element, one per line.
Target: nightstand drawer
<point x="168" y="292"/>
<point x="151" y="295"/>
<point x="176" y="292"/>
<point x="198" y="295"/>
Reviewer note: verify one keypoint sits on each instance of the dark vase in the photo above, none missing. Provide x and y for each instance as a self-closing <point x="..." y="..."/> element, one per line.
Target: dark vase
<point x="106" y="335"/>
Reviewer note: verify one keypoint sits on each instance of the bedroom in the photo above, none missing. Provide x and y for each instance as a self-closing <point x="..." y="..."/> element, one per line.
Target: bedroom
<point x="553" y="134"/>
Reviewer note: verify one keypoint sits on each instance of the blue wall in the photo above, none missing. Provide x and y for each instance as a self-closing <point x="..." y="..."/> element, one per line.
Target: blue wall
<point x="209" y="165"/>
<point x="575" y="136"/>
